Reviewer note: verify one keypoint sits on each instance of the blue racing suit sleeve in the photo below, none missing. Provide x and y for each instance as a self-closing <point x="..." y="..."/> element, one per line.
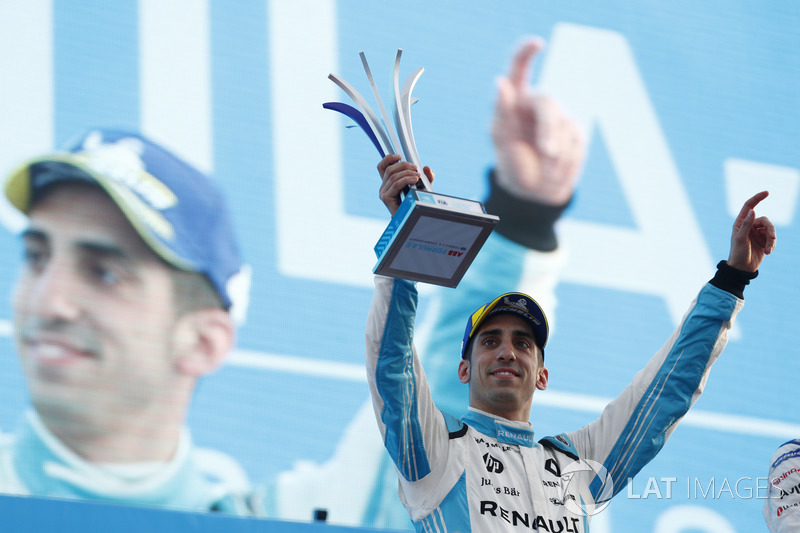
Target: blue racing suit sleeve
<point x="633" y="428"/>
<point x="413" y="430"/>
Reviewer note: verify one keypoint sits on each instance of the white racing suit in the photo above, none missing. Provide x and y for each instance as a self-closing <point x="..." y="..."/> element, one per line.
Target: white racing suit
<point x="488" y="474"/>
<point x="782" y="507"/>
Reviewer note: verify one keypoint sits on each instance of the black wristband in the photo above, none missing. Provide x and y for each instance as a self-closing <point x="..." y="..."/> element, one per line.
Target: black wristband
<point x="525" y="222"/>
<point x="732" y="279"/>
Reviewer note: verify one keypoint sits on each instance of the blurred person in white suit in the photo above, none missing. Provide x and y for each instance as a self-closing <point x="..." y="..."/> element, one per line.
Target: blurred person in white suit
<point x="782" y="506"/>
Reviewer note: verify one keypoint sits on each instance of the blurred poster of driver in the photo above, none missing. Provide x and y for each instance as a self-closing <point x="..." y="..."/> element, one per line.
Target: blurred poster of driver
<point x="130" y="276"/>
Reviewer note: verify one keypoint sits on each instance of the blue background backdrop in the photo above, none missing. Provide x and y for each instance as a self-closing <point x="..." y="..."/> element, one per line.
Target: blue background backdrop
<point x="722" y="79"/>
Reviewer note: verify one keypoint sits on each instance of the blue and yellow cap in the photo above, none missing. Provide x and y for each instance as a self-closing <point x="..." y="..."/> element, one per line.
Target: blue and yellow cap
<point x="178" y="211"/>
<point x="515" y="303"/>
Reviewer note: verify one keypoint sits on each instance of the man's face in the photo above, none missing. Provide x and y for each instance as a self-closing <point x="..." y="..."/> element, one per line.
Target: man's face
<point x="504" y="368"/>
<point x="93" y="309"/>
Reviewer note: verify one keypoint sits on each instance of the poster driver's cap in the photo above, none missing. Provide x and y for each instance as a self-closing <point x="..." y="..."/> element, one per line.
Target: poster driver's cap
<point x="176" y="209"/>
<point x="514" y="303"/>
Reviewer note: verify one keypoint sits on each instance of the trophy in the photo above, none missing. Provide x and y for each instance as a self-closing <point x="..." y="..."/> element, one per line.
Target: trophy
<point x="432" y="237"/>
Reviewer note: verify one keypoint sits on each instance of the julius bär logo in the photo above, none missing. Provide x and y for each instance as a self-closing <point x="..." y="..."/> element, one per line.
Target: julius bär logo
<point x="492" y="464"/>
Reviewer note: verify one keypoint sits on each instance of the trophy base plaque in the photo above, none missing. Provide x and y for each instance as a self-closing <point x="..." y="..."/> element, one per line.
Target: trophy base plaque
<point x="433" y="238"/>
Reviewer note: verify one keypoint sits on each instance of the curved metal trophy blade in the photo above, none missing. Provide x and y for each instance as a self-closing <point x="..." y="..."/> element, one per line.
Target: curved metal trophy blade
<point x="384" y="115"/>
<point x="369" y="114"/>
<point x="359" y="119"/>
<point x="403" y="124"/>
<point x="406" y="102"/>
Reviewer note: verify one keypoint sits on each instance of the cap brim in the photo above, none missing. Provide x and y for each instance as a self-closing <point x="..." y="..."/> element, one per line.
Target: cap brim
<point x="19" y="192"/>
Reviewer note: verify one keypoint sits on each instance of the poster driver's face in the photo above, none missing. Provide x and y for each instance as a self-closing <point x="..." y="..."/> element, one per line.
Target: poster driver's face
<point x="93" y="309"/>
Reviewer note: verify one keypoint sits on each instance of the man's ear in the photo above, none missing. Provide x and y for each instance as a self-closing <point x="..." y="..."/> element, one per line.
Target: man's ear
<point x="541" y="381"/>
<point x="203" y="338"/>
<point x="463" y="371"/>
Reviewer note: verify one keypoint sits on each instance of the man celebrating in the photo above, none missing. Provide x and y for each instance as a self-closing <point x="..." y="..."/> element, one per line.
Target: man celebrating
<point x="124" y="301"/>
<point x="539" y="153"/>
<point x="782" y="505"/>
<point x="486" y="472"/>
